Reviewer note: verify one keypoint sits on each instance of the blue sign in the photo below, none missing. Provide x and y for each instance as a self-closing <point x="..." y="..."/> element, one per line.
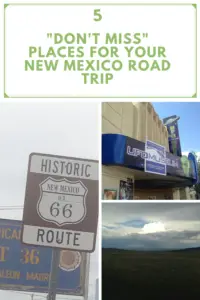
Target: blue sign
<point x="173" y="132"/>
<point x="121" y="150"/>
<point x="155" y="161"/>
<point x="27" y="268"/>
<point x="194" y="163"/>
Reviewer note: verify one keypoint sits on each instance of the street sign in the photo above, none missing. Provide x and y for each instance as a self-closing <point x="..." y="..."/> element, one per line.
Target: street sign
<point x="27" y="268"/>
<point x="61" y="202"/>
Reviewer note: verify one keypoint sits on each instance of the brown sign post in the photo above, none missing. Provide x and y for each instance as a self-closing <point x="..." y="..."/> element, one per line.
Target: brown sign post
<point x="61" y="202"/>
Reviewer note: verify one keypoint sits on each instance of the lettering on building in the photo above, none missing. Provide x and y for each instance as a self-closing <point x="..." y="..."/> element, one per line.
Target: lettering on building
<point x="145" y="155"/>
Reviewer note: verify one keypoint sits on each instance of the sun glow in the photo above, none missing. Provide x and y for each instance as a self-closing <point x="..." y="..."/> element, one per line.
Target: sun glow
<point x="153" y="227"/>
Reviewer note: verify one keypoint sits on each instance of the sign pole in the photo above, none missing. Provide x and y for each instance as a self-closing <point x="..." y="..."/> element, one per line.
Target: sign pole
<point x="87" y="272"/>
<point x="97" y="290"/>
<point x="53" y="274"/>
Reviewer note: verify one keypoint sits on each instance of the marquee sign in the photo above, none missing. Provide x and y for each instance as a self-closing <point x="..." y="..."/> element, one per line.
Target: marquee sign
<point x="124" y="151"/>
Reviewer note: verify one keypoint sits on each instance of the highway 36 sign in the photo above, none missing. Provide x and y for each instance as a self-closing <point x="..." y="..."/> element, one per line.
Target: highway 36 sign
<point x="61" y="202"/>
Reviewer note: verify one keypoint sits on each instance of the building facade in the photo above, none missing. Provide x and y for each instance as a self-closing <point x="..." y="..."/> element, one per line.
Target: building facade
<point x="126" y="128"/>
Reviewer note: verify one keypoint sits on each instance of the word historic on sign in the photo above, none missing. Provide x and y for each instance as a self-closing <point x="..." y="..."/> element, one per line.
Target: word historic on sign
<point x="66" y="167"/>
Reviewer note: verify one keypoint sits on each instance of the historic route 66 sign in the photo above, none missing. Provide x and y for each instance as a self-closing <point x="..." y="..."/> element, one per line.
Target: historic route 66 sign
<point x="61" y="202"/>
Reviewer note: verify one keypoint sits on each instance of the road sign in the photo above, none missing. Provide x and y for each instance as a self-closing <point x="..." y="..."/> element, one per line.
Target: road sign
<point x="61" y="202"/>
<point x="27" y="268"/>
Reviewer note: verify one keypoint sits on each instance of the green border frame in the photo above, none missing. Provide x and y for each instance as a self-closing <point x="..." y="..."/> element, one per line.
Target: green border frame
<point x="102" y="4"/>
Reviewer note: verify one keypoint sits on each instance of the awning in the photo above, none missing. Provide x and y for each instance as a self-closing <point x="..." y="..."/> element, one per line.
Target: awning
<point x="120" y="150"/>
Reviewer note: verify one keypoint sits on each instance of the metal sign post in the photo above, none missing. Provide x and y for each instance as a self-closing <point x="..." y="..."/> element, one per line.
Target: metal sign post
<point x="97" y="290"/>
<point x="53" y="274"/>
<point x="87" y="272"/>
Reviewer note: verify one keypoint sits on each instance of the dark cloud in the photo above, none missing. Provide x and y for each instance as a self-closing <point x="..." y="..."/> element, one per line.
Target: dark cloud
<point x="166" y="211"/>
<point x="136" y="223"/>
<point x="110" y="227"/>
<point x="154" y="241"/>
<point x="181" y="221"/>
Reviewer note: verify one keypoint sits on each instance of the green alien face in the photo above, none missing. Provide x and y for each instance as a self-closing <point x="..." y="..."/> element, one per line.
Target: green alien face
<point x="172" y="131"/>
<point x="185" y="165"/>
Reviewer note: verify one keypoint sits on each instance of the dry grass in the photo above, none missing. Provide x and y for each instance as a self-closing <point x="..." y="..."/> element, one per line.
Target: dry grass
<point x="156" y="275"/>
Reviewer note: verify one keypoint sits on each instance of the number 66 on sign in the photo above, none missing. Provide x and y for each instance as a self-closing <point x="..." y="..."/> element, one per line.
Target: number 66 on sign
<point x="61" y="202"/>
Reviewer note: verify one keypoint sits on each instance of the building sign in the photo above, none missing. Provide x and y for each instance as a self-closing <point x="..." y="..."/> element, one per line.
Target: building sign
<point x="155" y="162"/>
<point x="61" y="202"/>
<point x="195" y="168"/>
<point x="136" y="156"/>
<point x="27" y="268"/>
<point x="120" y="150"/>
<point x="174" y="139"/>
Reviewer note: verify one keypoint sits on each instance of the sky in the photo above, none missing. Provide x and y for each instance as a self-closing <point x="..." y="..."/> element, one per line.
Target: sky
<point x="189" y="113"/>
<point x="68" y="129"/>
<point x="150" y="226"/>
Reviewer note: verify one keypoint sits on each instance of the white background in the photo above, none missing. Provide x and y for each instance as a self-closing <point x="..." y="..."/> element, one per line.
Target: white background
<point x="9" y="197"/>
<point x="170" y="26"/>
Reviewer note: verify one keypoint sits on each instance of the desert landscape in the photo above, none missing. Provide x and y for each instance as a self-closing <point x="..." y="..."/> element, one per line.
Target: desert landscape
<point x="151" y="251"/>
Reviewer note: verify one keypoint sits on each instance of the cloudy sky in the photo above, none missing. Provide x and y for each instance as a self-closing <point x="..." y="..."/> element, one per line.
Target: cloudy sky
<point x="151" y="226"/>
<point x="69" y="129"/>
